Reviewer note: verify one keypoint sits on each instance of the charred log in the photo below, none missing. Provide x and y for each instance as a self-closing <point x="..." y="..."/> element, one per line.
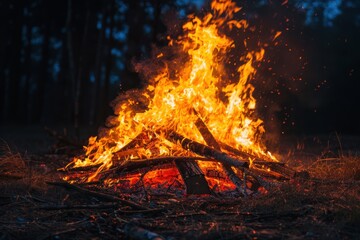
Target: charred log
<point x="193" y="177"/>
<point x="204" y="150"/>
<point x="211" y="141"/>
<point x="262" y="165"/>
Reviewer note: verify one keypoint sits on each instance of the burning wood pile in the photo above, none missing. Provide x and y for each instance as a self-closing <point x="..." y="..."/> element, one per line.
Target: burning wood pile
<point x="195" y="119"/>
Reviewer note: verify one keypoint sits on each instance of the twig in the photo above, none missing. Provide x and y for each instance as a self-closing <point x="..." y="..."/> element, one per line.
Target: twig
<point x="340" y="145"/>
<point x="103" y="196"/>
<point x="59" y="233"/>
<point x="135" y="232"/>
<point x="69" y="207"/>
<point x="158" y="210"/>
<point x="5" y="176"/>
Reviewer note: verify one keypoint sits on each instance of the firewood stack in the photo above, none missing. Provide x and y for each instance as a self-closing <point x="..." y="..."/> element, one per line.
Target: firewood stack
<point x="248" y="173"/>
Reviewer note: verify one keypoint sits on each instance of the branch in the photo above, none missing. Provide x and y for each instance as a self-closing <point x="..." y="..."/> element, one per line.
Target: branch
<point x="204" y="150"/>
<point x="211" y="141"/>
<point x="135" y="232"/>
<point x="103" y="196"/>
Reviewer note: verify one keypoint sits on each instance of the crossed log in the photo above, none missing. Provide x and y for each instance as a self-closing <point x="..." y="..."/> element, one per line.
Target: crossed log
<point x="247" y="182"/>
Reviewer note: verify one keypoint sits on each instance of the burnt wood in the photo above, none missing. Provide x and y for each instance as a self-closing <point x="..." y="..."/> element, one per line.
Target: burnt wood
<point x="261" y="164"/>
<point x="193" y="177"/>
<point x="211" y="141"/>
<point x="203" y="150"/>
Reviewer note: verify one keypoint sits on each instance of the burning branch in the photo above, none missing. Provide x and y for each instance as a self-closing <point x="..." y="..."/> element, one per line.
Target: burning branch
<point x="211" y="141"/>
<point x="204" y="150"/>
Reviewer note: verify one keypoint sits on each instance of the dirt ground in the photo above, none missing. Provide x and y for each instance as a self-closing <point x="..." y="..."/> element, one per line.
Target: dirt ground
<point x="324" y="206"/>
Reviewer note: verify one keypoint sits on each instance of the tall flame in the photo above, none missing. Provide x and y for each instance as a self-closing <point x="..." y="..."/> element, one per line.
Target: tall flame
<point x="182" y="91"/>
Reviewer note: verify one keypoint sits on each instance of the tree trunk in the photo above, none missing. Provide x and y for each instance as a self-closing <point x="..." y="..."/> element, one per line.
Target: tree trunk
<point x="15" y="62"/>
<point x="94" y="115"/>
<point x="44" y="76"/>
<point x="70" y="51"/>
<point x="109" y="62"/>
<point x="28" y="67"/>
<point x="78" y="85"/>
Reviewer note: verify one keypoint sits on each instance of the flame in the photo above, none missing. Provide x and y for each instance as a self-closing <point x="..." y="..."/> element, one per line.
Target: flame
<point x="224" y="100"/>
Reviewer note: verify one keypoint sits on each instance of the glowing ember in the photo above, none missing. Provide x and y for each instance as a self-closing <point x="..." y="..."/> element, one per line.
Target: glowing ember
<point x="197" y="82"/>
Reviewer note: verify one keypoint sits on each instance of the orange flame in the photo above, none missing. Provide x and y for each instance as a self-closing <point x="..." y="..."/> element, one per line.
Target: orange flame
<point x="223" y="100"/>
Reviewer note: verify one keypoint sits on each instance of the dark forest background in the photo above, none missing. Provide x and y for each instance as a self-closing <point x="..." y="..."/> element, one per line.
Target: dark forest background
<point x="63" y="61"/>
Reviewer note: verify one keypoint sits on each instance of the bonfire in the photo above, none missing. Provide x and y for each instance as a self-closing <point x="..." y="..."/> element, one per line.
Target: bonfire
<point x="195" y="118"/>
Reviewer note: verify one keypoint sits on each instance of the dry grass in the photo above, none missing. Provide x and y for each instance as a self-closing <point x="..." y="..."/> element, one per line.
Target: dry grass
<point x="11" y="163"/>
<point x="19" y="173"/>
<point x="338" y="168"/>
<point x="324" y="206"/>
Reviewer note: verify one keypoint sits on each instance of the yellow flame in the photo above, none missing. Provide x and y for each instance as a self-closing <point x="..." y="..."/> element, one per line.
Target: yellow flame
<point x="225" y="104"/>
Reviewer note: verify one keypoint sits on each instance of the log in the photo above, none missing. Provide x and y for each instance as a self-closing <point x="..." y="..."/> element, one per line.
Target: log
<point x="190" y="171"/>
<point x="132" y="146"/>
<point x="151" y="162"/>
<point x="205" y="151"/>
<point x="127" y="150"/>
<point x="262" y="163"/>
<point x="238" y="152"/>
<point x="136" y="141"/>
<point x="193" y="177"/>
<point x="205" y="133"/>
<point x="211" y="142"/>
<point x="277" y="170"/>
<point x="124" y="153"/>
<point x="134" y="166"/>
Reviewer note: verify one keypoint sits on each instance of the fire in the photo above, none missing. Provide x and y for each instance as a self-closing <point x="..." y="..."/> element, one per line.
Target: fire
<point x="182" y="91"/>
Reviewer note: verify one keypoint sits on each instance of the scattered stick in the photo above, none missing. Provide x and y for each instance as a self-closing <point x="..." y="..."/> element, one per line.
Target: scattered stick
<point x="71" y="207"/>
<point x="152" y="211"/>
<point x="4" y="176"/>
<point x="135" y="232"/>
<point x="54" y="234"/>
<point x="103" y="196"/>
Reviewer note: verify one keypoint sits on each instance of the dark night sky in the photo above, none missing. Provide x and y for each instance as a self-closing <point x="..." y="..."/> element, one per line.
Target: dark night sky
<point x="55" y="54"/>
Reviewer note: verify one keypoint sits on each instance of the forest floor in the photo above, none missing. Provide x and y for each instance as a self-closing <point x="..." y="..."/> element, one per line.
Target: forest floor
<point x="324" y="206"/>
